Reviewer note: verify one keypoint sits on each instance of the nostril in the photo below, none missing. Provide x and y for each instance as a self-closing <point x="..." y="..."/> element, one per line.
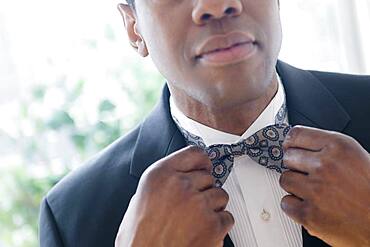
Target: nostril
<point x="206" y="16"/>
<point x="229" y="11"/>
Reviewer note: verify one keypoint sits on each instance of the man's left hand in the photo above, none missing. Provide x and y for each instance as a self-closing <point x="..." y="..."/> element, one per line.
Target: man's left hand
<point x="329" y="183"/>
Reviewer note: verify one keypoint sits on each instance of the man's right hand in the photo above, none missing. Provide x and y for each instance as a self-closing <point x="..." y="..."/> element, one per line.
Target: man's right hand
<point x="176" y="204"/>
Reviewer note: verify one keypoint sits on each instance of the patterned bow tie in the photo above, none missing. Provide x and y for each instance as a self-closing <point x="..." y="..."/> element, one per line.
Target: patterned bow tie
<point x="264" y="147"/>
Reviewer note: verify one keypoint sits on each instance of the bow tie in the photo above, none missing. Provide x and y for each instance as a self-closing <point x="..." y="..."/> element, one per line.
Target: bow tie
<point x="264" y="147"/>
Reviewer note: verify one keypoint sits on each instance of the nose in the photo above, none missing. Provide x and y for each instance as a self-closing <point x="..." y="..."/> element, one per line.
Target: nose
<point x="206" y="10"/>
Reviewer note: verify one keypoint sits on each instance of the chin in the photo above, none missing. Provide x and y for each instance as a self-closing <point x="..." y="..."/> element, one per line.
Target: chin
<point x="229" y="97"/>
<point x="228" y="93"/>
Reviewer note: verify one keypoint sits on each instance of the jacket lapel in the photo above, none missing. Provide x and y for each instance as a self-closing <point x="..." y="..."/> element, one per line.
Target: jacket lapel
<point x="308" y="101"/>
<point x="158" y="137"/>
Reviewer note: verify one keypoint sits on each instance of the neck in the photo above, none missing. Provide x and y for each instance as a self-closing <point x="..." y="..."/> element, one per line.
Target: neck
<point x="243" y="115"/>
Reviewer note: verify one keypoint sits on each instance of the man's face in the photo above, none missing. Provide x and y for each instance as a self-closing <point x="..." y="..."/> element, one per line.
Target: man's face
<point x="174" y="32"/>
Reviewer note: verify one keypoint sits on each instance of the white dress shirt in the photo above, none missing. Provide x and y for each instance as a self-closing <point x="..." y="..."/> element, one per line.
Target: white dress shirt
<point x="254" y="190"/>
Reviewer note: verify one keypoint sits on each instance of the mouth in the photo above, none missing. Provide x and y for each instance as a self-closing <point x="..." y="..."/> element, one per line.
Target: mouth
<point x="230" y="55"/>
<point x="224" y="49"/>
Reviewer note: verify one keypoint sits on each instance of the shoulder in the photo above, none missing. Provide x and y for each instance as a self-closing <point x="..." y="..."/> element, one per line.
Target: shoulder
<point x="351" y="91"/>
<point x="110" y="165"/>
<point x="353" y="94"/>
<point x="344" y="83"/>
<point x="95" y="196"/>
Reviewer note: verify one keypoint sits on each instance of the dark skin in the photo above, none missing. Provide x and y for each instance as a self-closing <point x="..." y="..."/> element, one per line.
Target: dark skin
<point x="171" y="31"/>
<point x="176" y="205"/>
<point x="330" y="193"/>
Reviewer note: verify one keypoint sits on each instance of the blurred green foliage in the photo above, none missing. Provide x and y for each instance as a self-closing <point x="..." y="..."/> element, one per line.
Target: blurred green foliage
<point x="19" y="213"/>
<point x="25" y="182"/>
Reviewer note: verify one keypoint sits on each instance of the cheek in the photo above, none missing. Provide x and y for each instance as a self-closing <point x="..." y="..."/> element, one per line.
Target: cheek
<point x="272" y="28"/>
<point x="167" y="54"/>
<point x="265" y="15"/>
<point x="166" y="38"/>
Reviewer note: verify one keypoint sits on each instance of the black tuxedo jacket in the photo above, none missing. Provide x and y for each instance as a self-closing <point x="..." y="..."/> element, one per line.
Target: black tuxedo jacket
<point x="87" y="206"/>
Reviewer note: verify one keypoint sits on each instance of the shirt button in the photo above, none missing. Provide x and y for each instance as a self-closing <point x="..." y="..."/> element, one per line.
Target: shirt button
<point x="265" y="215"/>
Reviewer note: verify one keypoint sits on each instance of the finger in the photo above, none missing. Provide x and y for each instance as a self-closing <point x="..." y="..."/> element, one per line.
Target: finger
<point x="301" y="160"/>
<point x="294" y="208"/>
<point x="306" y="138"/>
<point x="226" y="220"/>
<point x="217" y="198"/>
<point x="201" y="179"/>
<point x="189" y="159"/>
<point x="294" y="183"/>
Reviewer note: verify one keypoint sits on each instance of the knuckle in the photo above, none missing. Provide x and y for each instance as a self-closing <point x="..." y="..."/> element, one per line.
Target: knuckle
<point x="282" y="179"/>
<point x="295" y="132"/>
<point x="340" y="142"/>
<point x="159" y="169"/>
<point x="297" y="211"/>
<point x="230" y="219"/>
<point x="226" y="221"/>
<point x="284" y="202"/>
<point x="152" y="175"/>
<point x="352" y="141"/>
<point x="194" y="149"/>
<point x="352" y="145"/>
<point x="150" y="172"/>
<point x="224" y="195"/>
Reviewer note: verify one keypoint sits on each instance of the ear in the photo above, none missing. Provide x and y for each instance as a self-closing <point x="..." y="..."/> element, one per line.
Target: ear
<point x="130" y="22"/>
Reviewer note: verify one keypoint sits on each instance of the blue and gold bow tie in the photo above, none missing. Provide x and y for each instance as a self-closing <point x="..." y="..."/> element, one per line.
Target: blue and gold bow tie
<point x="264" y="147"/>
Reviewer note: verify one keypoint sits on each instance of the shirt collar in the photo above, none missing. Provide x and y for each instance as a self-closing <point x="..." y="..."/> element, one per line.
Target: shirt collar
<point x="212" y="136"/>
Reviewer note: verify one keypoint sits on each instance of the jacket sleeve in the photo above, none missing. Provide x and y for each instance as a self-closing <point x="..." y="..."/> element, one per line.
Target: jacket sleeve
<point x="49" y="235"/>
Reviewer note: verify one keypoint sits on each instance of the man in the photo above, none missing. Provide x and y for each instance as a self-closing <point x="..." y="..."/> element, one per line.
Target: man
<point x="225" y="89"/>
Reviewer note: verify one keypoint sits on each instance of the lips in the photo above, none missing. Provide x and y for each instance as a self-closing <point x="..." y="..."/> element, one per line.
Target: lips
<point x="222" y="42"/>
